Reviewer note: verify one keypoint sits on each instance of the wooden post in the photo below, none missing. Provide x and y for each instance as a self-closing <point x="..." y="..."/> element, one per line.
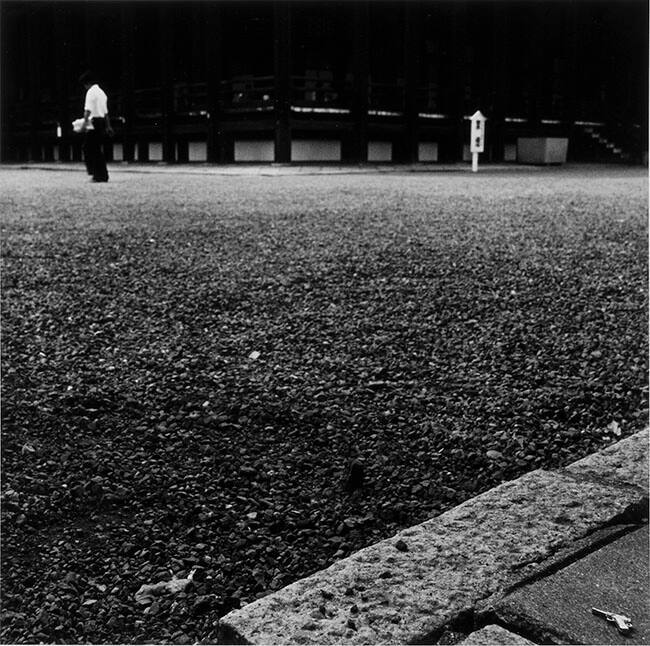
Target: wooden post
<point x="128" y="85"/>
<point x="282" y="72"/>
<point x="457" y="80"/>
<point x="535" y="78"/>
<point x="166" y="83"/>
<point x="62" y="78"/>
<point x="500" y="83"/>
<point x="9" y="34"/>
<point x="90" y="36"/>
<point x="412" y="42"/>
<point x="214" y="74"/>
<point x="361" y="82"/>
<point x="33" y="51"/>
<point x="573" y="37"/>
<point x="640" y="105"/>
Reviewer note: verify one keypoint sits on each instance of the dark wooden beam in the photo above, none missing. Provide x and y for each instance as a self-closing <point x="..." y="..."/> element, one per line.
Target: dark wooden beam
<point x="499" y="76"/>
<point x="282" y="72"/>
<point x="62" y="77"/>
<point x="34" y="51"/>
<point x="8" y="79"/>
<point x="214" y="76"/>
<point x="535" y="78"/>
<point x="361" y="76"/>
<point x="573" y="43"/>
<point x="90" y="36"/>
<point x="412" y="44"/>
<point x="166" y="81"/>
<point x="127" y="50"/>
<point x="457" y="79"/>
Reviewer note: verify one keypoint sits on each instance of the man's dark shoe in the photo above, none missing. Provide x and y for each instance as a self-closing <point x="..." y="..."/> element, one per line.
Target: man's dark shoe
<point x="95" y="179"/>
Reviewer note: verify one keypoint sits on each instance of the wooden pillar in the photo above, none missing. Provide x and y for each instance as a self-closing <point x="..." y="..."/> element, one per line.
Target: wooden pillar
<point x="535" y="77"/>
<point x="613" y="90"/>
<point x="499" y="73"/>
<point x="412" y="43"/>
<point x="572" y="44"/>
<point x="640" y="113"/>
<point x="282" y="73"/>
<point x="572" y="82"/>
<point x="166" y="81"/>
<point x="34" y="55"/>
<point x="90" y="36"/>
<point x="214" y="75"/>
<point x="62" y="80"/>
<point x="9" y="31"/>
<point x="361" y="85"/>
<point x="458" y="71"/>
<point x="127" y="50"/>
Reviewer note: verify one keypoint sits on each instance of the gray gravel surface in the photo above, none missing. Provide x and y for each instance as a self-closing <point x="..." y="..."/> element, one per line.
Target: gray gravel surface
<point x="192" y="363"/>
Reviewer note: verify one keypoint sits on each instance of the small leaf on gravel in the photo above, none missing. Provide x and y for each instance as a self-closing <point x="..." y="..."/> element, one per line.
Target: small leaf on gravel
<point x="614" y="428"/>
<point x="147" y="592"/>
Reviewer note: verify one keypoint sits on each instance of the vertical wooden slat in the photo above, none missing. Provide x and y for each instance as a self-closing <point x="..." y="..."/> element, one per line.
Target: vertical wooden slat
<point x="361" y="72"/>
<point x="641" y="105"/>
<point x="90" y="36"/>
<point x="412" y="45"/>
<point x="500" y="80"/>
<point x="8" y="76"/>
<point x="282" y="72"/>
<point x="214" y="75"/>
<point x="166" y="82"/>
<point x="34" y="55"/>
<point x="62" y="77"/>
<point x="535" y="78"/>
<point x="457" y="69"/>
<point x="127" y="48"/>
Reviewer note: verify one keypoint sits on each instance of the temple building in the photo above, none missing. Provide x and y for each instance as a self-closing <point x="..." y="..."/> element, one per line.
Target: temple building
<point x="352" y="81"/>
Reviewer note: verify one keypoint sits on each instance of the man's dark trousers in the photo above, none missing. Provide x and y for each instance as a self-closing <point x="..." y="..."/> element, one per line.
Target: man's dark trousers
<point x="94" y="150"/>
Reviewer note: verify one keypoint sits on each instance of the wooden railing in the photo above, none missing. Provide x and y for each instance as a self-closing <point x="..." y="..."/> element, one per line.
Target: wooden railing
<point x="312" y="91"/>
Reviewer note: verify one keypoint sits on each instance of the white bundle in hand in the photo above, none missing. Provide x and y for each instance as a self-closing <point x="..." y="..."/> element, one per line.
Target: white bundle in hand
<point x="77" y="125"/>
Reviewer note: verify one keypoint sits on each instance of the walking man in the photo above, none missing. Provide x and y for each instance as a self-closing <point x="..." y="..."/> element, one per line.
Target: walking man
<point x="97" y="125"/>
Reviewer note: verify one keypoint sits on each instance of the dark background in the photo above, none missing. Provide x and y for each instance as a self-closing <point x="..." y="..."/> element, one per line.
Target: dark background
<point x="163" y="64"/>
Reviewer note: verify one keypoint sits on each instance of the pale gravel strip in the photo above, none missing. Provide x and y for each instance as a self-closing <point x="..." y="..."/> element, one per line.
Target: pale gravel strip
<point x="277" y="169"/>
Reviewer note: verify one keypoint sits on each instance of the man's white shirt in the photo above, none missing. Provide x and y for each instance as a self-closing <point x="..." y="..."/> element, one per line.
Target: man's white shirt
<point x="96" y="102"/>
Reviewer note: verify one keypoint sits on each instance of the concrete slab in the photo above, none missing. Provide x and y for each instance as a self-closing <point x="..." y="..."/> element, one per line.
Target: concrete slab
<point x="386" y="595"/>
<point x="493" y="634"/>
<point x="626" y="461"/>
<point x="557" y="609"/>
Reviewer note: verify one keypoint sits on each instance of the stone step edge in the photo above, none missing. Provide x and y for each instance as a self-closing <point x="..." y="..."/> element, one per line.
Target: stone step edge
<point x="624" y="462"/>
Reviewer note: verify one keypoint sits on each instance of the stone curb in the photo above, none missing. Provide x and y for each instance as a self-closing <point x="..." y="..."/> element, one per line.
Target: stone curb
<point x="626" y="461"/>
<point x="452" y="563"/>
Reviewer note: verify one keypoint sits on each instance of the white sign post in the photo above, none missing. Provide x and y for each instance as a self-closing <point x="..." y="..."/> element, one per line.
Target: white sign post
<point x="476" y="137"/>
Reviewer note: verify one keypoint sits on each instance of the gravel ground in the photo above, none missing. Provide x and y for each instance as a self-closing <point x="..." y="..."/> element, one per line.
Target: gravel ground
<point x="192" y="363"/>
